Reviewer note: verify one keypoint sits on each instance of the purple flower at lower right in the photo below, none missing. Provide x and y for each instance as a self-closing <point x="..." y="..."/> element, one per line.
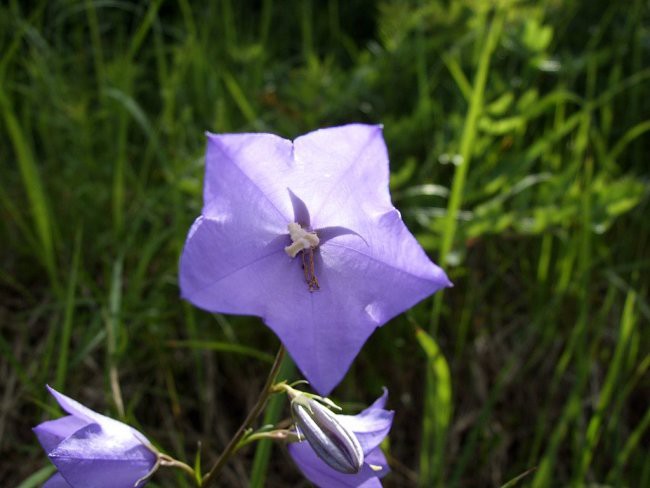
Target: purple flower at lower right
<point x="370" y="427"/>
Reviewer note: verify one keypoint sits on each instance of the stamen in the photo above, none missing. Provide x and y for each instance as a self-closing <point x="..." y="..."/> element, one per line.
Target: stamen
<point x="301" y="239"/>
<point x="308" y="269"/>
<point x="304" y="242"/>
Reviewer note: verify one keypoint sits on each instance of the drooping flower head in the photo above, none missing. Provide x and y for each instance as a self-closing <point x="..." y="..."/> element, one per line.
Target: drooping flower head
<point x="303" y="234"/>
<point x="329" y="459"/>
<point x="91" y="450"/>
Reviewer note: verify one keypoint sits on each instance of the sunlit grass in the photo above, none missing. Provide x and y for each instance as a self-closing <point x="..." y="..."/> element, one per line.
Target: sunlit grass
<point x="518" y="138"/>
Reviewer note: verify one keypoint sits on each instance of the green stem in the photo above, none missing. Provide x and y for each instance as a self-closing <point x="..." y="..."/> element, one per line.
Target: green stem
<point x="170" y="462"/>
<point x="433" y="431"/>
<point x="466" y="147"/>
<point x="231" y="448"/>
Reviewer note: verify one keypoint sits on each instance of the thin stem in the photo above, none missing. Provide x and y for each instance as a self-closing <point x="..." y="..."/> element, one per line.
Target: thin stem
<point x="170" y="462"/>
<point x="278" y="434"/>
<point x="252" y="415"/>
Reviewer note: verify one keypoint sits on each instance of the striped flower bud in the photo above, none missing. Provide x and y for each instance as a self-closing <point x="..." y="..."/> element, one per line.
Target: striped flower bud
<point x="331" y="441"/>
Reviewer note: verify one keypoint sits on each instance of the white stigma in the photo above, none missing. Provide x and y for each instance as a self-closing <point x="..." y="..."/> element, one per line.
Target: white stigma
<point x="301" y="239"/>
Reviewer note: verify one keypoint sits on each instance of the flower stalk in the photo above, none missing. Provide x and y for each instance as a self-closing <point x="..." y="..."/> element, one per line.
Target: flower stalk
<point x="234" y="443"/>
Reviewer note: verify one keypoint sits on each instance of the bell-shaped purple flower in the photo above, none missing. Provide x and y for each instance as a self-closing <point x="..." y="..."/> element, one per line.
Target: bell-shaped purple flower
<point x="91" y="450"/>
<point x="369" y="427"/>
<point x="303" y="234"/>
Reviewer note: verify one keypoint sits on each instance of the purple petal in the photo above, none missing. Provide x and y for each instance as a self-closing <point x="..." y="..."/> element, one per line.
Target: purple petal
<point x="57" y="481"/>
<point x="300" y="211"/>
<point x="319" y="473"/>
<point x="371" y="425"/>
<point x="245" y="173"/>
<point x="75" y="408"/>
<point x="391" y="256"/>
<point x="327" y="233"/>
<point x="52" y="432"/>
<point x="378" y="403"/>
<point x="377" y="459"/>
<point x="120" y="432"/>
<point x="349" y="168"/>
<point x="315" y="327"/>
<point x="233" y="269"/>
<point x="95" y="458"/>
<point x="361" y="288"/>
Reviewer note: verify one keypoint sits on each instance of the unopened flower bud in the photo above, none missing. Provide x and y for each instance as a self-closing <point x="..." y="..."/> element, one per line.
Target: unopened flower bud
<point x="331" y="441"/>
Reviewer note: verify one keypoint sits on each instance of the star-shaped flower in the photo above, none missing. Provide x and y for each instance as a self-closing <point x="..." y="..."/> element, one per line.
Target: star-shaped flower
<point x="370" y="427"/>
<point x="91" y="450"/>
<point x="303" y="234"/>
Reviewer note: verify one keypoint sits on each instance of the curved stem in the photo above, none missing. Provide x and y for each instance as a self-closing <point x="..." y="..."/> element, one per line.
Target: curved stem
<point x="250" y="418"/>
<point x="170" y="462"/>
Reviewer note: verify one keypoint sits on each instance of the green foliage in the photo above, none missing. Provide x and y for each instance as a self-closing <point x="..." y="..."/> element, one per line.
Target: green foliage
<point x="518" y="138"/>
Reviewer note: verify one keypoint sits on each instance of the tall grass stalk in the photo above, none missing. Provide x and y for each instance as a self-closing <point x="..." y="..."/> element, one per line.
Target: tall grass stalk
<point x="431" y="456"/>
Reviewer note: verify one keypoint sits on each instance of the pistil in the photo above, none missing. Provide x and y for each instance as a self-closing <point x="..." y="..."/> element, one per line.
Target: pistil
<point x="304" y="242"/>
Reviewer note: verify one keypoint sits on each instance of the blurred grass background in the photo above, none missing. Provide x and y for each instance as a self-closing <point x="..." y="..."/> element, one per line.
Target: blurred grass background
<point x="518" y="138"/>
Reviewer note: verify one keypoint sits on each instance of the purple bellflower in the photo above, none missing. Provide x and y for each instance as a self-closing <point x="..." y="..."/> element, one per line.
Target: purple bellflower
<point x="304" y="235"/>
<point x="369" y="427"/>
<point x="93" y="451"/>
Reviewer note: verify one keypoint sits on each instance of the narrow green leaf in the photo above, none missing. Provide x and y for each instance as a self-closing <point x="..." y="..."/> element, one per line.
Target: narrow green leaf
<point x="38" y="478"/>
<point x="224" y="347"/>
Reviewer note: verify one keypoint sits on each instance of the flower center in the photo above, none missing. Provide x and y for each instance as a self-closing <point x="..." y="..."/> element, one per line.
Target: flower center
<point x="304" y="242"/>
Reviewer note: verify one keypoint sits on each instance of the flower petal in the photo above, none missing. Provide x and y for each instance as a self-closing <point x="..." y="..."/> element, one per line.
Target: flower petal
<point x="123" y="434"/>
<point x="248" y="169"/>
<point x="377" y="459"/>
<point x="324" y="330"/>
<point x="315" y="327"/>
<point x="223" y="270"/>
<point x="371" y="425"/>
<point x="326" y="233"/>
<point x="75" y="408"/>
<point x="52" y="432"/>
<point x="361" y="288"/>
<point x="319" y="473"/>
<point x="300" y="211"/>
<point x="391" y="256"/>
<point x="94" y="458"/>
<point x="345" y="173"/>
<point x="57" y="481"/>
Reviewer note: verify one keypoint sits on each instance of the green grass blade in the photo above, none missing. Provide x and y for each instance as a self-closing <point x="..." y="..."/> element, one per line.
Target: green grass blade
<point x="627" y="138"/>
<point x="514" y="481"/>
<point x="223" y="347"/>
<point x="468" y="136"/>
<point x="68" y="316"/>
<point x="612" y="379"/>
<point x="38" y="478"/>
<point x="437" y="405"/>
<point x="34" y="188"/>
<point x="113" y="330"/>
<point x="143" y="29"/>
<point x="240" y="99"/>
<point x="429" y="466"/>
<point x="632" y="444"/>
